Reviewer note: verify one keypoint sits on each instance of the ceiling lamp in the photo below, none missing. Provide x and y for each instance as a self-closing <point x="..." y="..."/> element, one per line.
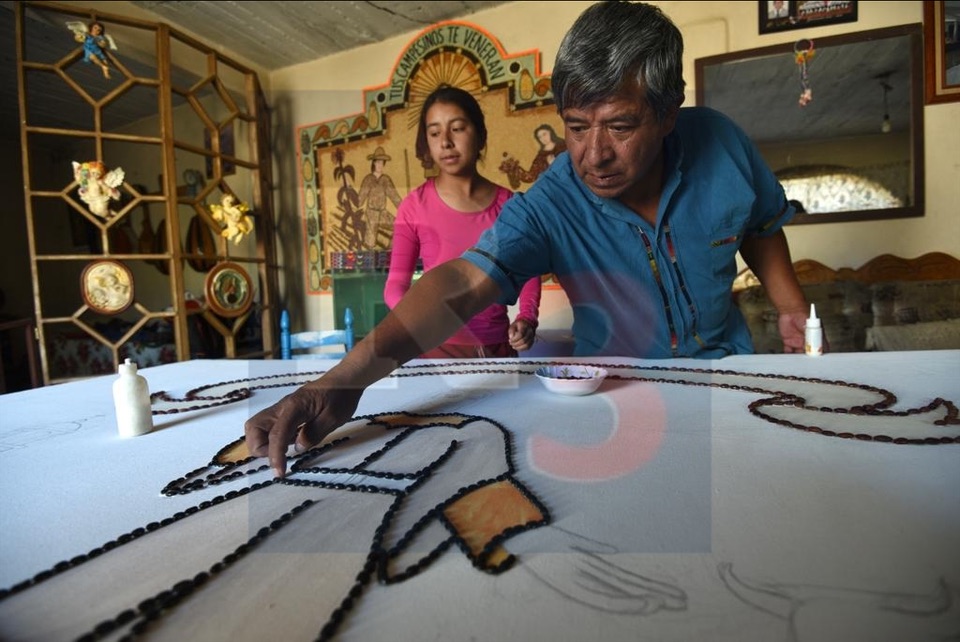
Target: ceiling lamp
<point x="886" y="126"/>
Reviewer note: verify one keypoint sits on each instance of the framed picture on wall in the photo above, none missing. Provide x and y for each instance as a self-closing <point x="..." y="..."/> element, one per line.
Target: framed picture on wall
<point x="941" y="55"/>
<point x="781" y="15"/>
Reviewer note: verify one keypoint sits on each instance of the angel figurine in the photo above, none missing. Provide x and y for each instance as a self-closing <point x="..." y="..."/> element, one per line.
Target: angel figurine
<point x="95" y="40"/>
<point x="237" y="223"/>
<point x="98" y="186"/>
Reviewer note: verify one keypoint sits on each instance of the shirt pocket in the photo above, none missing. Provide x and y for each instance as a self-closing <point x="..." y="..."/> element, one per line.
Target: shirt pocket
<point x="723" y="245"/>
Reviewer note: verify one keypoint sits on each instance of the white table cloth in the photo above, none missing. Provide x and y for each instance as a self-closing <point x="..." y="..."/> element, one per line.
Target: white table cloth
<point x="684" y="500"/>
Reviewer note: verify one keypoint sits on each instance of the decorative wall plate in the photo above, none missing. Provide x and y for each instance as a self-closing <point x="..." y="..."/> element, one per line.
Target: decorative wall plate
<point x="107" y="286"/>
<point x="228" y="289"/>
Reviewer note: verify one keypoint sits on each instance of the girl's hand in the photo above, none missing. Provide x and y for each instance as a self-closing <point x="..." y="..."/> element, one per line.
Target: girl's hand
<point x="521" y="335"/>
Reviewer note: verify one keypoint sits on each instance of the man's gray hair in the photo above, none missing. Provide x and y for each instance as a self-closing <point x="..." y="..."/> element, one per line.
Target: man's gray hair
<point x="613" y="41"/>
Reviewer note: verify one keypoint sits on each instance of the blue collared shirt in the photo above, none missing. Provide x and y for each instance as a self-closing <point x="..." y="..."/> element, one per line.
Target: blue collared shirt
<point x="640" y="290"/>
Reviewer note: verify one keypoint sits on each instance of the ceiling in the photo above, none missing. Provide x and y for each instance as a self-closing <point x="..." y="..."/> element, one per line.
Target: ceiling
<point x="268" y="35"/>
<point x="275" y="34"/>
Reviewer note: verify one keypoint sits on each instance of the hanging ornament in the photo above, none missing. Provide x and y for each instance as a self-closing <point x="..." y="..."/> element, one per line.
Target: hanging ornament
<point x="98" y="186"/>
<point x="94" y="39"/>
<point x="233" y="215"/>
<point x="803" y="51"/>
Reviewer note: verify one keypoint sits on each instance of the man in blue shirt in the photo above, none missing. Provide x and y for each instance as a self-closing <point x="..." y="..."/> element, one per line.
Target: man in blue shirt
<point x="657" y="286"/>
<point x="641" y="219"/>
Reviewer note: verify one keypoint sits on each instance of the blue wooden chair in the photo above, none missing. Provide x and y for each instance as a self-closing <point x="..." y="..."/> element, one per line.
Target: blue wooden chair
<point x="296" y="345"/>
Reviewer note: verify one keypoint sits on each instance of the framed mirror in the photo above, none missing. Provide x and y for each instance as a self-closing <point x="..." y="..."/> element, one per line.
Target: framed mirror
<point x="854" y="151"/>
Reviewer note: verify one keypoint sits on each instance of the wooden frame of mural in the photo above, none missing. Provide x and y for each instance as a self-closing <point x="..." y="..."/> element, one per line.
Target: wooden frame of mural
<point x="356" y="169"/>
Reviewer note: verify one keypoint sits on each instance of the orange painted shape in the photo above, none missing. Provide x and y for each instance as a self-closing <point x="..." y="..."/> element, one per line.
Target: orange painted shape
<point x="488" y="511"/>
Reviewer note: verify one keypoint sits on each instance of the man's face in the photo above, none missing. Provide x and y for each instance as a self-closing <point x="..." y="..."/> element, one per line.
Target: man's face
<point x="614" y="144"/>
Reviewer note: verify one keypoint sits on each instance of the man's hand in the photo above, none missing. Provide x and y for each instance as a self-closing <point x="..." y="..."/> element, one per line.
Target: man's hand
<point x="521" y="335"/>
<point x="303" y="418"/>
<point x="792" y="326"/>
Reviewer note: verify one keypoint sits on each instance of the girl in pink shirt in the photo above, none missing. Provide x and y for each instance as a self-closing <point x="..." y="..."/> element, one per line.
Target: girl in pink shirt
<point x="439" y="220"/>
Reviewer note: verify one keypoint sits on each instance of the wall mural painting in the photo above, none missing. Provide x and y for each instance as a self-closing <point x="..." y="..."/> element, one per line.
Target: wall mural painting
<point x="357" y="169"/>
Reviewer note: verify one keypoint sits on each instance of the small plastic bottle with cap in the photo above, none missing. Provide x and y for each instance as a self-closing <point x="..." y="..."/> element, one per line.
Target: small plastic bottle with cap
<point x="131" y="396"/>
<point x="813" y="334"/>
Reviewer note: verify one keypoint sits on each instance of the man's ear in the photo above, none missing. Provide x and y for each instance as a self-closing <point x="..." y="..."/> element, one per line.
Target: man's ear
<point x="670" y="119"/>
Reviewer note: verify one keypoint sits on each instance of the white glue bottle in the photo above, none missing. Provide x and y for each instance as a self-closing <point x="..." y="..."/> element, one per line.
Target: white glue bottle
<point x="132" y="400"/>
<point x="813" y="334"/>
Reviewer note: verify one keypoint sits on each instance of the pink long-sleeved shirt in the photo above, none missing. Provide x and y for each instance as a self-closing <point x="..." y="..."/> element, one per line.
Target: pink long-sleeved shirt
<point x="428" y="228"/>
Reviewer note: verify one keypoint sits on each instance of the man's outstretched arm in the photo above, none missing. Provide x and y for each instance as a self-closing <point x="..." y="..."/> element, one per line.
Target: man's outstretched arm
<point x="438" y="304"/>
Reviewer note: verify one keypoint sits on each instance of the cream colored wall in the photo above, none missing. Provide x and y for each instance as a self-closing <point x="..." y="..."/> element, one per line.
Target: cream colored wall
<point x="332" y="87"/>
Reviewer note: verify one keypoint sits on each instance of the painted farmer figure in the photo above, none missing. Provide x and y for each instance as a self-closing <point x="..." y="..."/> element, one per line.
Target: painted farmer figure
<point x="375" y="190"/>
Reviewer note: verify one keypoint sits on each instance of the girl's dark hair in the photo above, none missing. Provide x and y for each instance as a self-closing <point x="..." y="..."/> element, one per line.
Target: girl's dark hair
<point x="451" y="96"/>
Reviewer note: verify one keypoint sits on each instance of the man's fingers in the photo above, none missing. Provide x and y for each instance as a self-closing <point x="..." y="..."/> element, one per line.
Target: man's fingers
<point x="302" y="419"/>
<point x="282" y="434"/>
<point x="311" y="434"/>
<point x="256" y="431"/>
<point x="333" y="414"/>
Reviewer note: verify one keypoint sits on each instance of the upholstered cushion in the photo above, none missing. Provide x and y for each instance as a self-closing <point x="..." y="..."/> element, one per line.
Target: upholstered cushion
<point x="906" y="302"/>
<point x="930" y="335"/>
